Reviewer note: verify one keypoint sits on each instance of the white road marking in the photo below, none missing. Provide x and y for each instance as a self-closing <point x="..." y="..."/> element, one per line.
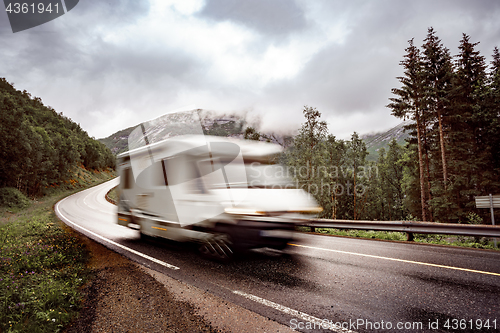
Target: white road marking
<point x="102" y="211"/>
<point x="400" y="260"/>
<point x="319" y="323"/>
<point x="145" y="256"/>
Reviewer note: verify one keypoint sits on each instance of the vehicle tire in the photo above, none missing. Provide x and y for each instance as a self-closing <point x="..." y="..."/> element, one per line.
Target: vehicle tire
<point x="145" y="237"/>
<point x="218" y="247"/>
<point x="281" y="246"/>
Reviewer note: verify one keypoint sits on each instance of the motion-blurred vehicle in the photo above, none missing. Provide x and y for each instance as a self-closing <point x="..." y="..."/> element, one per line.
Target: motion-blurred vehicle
<point x="228" y="195"/>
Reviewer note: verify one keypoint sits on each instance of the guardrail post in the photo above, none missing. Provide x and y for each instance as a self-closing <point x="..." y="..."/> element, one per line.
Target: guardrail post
<point x="492" y="216"/>
<point x="409" y="236"/>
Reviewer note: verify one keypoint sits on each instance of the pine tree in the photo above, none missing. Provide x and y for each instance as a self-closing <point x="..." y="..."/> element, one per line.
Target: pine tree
<point x="439" y="73"/>
<point x="466" y="135"/>
<point x="492" y="102"/>
<point x="410" y="102"/>
<point x="489" y="127"/>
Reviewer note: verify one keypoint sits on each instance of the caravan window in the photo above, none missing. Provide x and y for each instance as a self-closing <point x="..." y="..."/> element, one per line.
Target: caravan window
<point x="151" y="177"/>
<point x="127" y="178"/>
<point x="181" y="169"/>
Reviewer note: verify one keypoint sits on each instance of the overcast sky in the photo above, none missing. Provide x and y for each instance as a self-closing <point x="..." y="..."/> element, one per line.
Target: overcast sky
<point x="109" y="65"/>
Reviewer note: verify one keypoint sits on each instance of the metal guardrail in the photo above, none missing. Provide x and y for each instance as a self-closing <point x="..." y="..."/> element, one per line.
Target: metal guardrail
<point x="410" y="227"/>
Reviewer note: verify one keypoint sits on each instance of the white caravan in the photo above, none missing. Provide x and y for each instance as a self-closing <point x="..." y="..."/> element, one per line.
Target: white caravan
<point x="228" y="195"/>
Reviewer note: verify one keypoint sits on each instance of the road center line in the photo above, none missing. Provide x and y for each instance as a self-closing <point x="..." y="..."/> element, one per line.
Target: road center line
<point x="145" y="256"/>
<point x="400" y="260"/>
<point x="321" y="324"/>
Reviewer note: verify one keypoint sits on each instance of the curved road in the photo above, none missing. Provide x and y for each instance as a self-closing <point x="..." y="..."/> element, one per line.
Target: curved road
<point x="321" y="283"/>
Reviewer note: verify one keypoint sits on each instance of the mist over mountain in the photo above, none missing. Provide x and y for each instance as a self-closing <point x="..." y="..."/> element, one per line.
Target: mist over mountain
<point x="229" y="125"/>
<point x="375" y="141"/>
<point x="173" y="124"/>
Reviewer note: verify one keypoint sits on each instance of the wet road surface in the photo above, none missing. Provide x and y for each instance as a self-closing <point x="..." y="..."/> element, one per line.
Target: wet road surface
<point x="321" y="283"/>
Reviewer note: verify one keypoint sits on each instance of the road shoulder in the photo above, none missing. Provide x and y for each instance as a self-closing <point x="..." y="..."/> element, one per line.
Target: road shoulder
<point x="125" y="296"/>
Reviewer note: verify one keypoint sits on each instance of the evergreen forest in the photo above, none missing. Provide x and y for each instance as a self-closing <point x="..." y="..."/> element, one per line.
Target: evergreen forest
<point x="451" y="156"/>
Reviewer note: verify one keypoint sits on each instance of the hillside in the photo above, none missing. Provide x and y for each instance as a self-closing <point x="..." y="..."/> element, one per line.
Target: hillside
<point x="375" y="141"/>
<point x="169" y="125"/>
<point x="40" y="147"/>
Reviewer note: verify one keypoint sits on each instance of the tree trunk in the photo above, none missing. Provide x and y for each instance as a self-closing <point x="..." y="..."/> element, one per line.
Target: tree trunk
<point x="421" y="167"/>
<point x="354" y="191"/>
<point x="334" y="206"/>
<point x="427" y="169"/>
<point x="443" y="153"/>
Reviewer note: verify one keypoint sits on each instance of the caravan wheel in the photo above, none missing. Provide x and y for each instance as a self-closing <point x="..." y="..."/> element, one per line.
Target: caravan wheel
<point x="145" y="237"/>
<point x="217" y="247"/>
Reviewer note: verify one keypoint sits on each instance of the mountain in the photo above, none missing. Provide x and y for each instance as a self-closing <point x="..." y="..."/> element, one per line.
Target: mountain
<point x="375" y="141"/>
<point x="227" y="125"/>
<point x="188" y="122"/>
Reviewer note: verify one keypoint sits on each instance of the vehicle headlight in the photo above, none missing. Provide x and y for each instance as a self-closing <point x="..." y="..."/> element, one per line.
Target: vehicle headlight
<point x="243" y="211"/>
<point x="308" y="210"/>
<point x="249" y="211"/>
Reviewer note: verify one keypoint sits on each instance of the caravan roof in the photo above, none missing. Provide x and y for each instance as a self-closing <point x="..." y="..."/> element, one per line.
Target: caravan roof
<point x="251" y="150"/>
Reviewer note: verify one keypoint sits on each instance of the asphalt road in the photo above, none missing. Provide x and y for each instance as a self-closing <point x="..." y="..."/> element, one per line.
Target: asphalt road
<point x="321" y="283"/>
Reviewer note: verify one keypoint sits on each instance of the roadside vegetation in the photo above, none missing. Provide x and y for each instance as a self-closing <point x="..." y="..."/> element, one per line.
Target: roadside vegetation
<point x="462" y="241"/>
<point x="42" y="262"/>
<point x="451" y="155"/>
<point x="44" y="156"/>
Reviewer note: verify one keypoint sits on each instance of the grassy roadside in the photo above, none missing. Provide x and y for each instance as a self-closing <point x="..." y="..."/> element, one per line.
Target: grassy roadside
<point x="462" y="241"/>
<point x="42" y="263"/>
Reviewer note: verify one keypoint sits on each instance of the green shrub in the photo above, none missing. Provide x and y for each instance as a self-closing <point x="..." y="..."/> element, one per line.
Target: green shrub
<point x="13" y="198"/>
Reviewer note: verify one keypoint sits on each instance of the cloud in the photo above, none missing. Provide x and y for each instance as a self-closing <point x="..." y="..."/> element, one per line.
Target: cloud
<point x="350" y="82"/>
<point x="276" y="18"/>
<point x="110" y="65"/>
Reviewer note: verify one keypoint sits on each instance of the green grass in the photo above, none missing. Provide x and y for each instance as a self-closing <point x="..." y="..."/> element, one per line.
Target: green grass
<point x="42" y="266"/>
<point x="463" y="241"/>
<point x="370" y="234"/>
